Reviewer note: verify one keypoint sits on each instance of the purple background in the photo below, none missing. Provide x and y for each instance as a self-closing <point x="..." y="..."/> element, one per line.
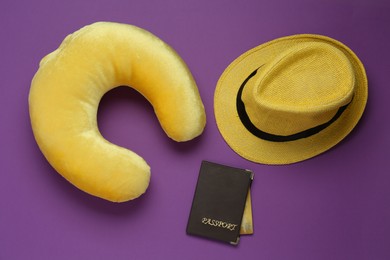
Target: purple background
<point x="334" y="206"/>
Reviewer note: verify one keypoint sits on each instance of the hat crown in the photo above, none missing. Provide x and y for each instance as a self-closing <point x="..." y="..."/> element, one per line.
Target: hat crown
<point x="300" y="88"/>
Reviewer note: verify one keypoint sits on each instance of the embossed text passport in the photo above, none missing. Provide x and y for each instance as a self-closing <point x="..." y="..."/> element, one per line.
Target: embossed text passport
<point x="219" y="202"/>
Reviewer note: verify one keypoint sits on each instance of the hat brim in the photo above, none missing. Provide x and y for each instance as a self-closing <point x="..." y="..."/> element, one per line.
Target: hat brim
<point x="268" y="152"/>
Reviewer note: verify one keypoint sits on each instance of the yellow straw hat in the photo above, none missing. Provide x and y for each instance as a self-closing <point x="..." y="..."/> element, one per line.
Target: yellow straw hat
<point x="290" y="99"/>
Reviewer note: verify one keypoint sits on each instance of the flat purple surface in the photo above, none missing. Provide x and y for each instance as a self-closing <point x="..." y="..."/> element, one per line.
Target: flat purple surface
<point x="334" y="206"/>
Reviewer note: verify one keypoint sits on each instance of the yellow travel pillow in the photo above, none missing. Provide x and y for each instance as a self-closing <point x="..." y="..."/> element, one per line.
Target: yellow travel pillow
<point x="69" y="84"/>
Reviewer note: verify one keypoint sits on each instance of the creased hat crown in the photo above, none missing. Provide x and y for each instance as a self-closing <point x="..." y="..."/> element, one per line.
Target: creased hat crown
<point x="300" y="88"/>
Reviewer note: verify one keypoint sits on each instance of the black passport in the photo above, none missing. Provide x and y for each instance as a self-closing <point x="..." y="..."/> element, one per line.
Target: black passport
<point x="219" y="202"/>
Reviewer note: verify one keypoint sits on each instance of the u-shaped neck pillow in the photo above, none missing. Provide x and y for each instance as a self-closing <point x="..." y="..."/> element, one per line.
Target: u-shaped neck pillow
<point x="69" y="84"/>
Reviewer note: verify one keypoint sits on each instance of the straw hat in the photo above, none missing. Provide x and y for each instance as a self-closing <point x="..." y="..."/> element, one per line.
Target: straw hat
<point x="290" y="99"/>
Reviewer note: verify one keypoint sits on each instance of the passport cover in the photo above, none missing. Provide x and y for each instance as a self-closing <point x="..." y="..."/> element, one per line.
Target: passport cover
<point x="219" y="202"/>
